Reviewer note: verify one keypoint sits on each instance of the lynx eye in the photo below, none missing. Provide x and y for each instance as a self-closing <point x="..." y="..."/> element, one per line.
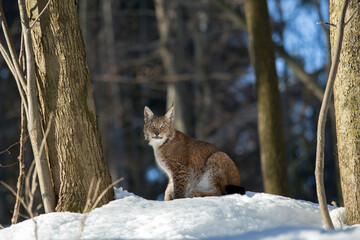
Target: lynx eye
<point x="162" y="126"/>
<point x="151" y="126"/>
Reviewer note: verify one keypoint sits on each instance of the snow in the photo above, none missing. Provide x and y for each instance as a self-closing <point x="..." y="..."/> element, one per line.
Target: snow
<point x="250" y="216"/>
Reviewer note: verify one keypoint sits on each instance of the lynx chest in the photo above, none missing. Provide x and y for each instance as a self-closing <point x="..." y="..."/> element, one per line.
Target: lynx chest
<point x="162" y="162"/>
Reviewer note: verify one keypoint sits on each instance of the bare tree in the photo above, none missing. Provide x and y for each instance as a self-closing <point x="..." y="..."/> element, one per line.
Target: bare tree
<point x="27" y="89"/>
<point x="347" y="108"/>
<point x="272" y="149"/>
<point x="73" y="148"/>
<point x="174" y="89"/>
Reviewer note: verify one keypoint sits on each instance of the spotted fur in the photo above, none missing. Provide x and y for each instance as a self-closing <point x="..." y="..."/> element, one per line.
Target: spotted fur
<point x="194" y="168"/>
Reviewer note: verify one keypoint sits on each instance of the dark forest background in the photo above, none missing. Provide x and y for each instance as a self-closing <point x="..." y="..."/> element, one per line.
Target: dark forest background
<point x="209" y="47"/>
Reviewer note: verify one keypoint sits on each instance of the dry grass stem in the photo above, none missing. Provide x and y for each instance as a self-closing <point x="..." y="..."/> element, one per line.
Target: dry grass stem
<point x="104" y="192"/>
<point x="91" y="203"/>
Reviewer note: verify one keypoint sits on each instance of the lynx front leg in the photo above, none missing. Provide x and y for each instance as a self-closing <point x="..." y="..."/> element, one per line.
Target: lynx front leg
<point x="199" y="193"/>
<point x="180" y="184"/>
<point x="169" y="192"/>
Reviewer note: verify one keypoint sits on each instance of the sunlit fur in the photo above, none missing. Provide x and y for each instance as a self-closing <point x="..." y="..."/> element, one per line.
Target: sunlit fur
<point x="194" y="168"/>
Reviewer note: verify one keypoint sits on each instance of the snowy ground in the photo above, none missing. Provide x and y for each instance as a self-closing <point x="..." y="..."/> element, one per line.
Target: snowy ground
<point x="252" y="216"/>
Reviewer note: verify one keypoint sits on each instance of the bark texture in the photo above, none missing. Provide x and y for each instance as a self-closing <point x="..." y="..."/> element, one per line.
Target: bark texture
<point x="347" y="108"/>
<point x="73" y="145"/>
<point x="273" y="162"/>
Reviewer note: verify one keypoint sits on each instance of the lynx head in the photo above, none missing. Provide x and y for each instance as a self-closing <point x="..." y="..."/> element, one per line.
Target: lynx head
<point x="158" y="129"/>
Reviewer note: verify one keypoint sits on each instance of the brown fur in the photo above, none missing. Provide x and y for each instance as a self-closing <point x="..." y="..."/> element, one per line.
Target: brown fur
<point x="194" y="168"/>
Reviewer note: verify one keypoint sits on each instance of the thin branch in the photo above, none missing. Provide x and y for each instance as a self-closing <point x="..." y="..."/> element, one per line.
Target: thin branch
<point x="21" y="177"/>
<point x="12" y="60"/>
<point x="7" y="150"/>
<point x="27" y="182"/>
<point x="24" y="205"/>
<point x="38" y="17"/>
<point x="319" y="164"/>
<point x="10" y="44"/>
<point x="34" y="119"/>
<point x="326" y="23"/>
<point x="7" y="58"/>
<point x="353" y="14"/>
<point x="24" y="216"/>
<point x="22" y="50"/>
<point x="90" y="200"/>
<point x="20" y="199"/>
<point x="9" y="165"/>
<point x="104" y="192"/>
<point x="33" y="189"/>
<point x="31" y="192"/>
<point x="51" y="118"/>
<point x="307" y="79"/>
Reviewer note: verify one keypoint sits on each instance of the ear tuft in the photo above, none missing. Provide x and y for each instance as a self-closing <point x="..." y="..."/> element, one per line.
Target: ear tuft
<point x="170" y="114"/>
<point x="148" y="114"/>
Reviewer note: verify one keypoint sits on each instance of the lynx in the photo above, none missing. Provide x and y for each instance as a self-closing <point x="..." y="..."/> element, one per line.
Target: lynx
<point x="194" y="168"/>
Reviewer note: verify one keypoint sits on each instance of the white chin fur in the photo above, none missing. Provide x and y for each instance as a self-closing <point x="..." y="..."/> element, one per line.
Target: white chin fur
<point x="156" y="142"/>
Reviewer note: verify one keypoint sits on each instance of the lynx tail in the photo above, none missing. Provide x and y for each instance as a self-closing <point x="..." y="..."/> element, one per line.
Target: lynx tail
<point x="231" y="189"/>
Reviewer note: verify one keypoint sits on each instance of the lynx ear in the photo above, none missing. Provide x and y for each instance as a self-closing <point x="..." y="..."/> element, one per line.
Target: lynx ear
<point x="148" y="114"/>
<point x="170" y="114"/>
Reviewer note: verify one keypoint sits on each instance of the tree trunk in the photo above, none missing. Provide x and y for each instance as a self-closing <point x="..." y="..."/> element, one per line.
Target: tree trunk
<point x="273" y="162"/>
<point x="174" y="89"/>
<point x="203" y="91"/>
<point x="347" y="109"/>
<point x="73" y="145"/>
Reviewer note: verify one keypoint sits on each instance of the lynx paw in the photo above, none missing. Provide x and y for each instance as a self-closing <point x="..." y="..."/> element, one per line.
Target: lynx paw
<point x="195" y="193"/>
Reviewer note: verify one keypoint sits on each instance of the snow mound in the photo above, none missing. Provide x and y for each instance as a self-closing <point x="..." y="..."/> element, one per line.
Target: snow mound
<point x="250" y="216"/>
<point x="120" y="193"/>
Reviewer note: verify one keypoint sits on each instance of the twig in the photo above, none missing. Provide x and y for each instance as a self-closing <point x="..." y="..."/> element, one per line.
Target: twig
<point x="90" y="203"/>
<point x="326" y="23"/>
<point x="104" y="192"/>
<point x="353" y="14"/>
<point x="319" y="164"/>
<point x="9" y="165"/>
<point x="89" y="198"/>
<point x="51" y="117"/>
<point x="20" y="79"/>
<point x="24" y="216"/>
<point x="2" y="226"/>
<point x="21" y="177"/>
<point x="20" y="199"/>
<point x="7" y="58"/>
<point x="88" y="206"/>
<point x="22" y="50"/>
<point x="33" y="188"/>
<point x="31" y="193"/>
<point x="34" y="118"/>
<point x="27" y="182"/>
<point x="38" y="17"/>
<point x="7" y="150"/>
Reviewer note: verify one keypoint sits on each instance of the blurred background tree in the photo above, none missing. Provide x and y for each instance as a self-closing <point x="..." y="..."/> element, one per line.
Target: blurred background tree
<point x="207" y="43"/>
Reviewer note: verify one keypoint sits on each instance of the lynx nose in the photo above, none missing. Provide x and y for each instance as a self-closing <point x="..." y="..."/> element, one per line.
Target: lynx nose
<point x="157" y="133"/>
